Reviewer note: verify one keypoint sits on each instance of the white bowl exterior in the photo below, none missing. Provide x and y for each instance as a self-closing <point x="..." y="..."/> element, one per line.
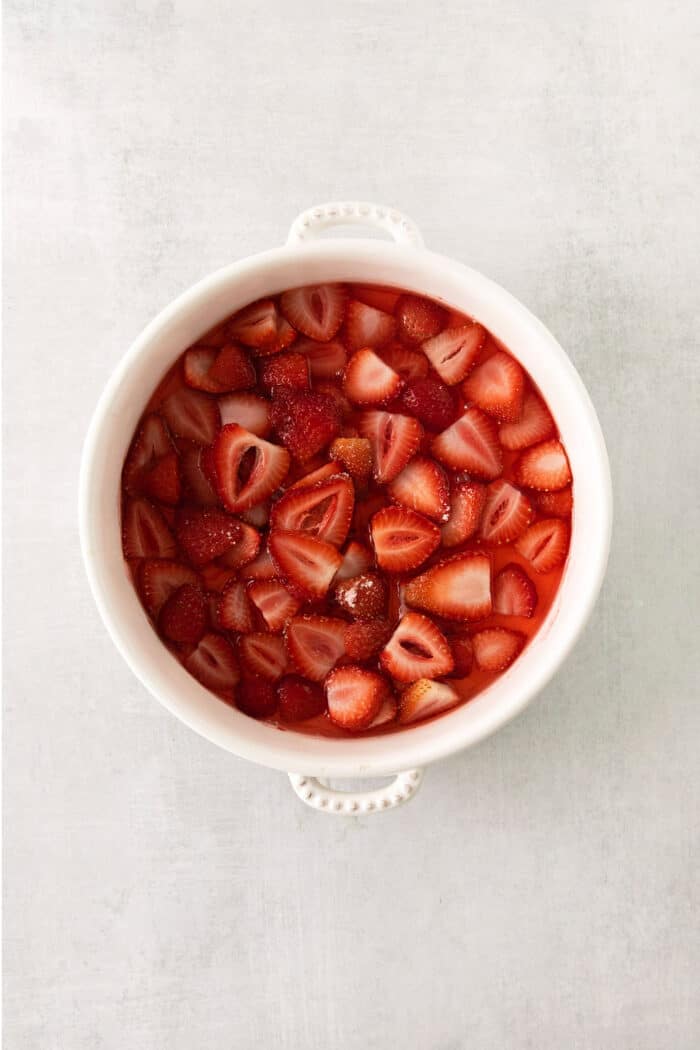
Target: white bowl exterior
<point x="206" y="304"/>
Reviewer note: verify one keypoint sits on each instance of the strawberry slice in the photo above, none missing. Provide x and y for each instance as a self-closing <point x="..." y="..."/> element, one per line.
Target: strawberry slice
<point x="368" y="380"/>
<point x="162" y="481"/>
<point x="315" y="644"/>
<point x="356" y="560"/>
<point x="466" y="505"/>
<point x="196" y="486"/>
<point x="234" y="611"/>
<point x="263" y="654"/>
<point x="471" y="443"/>
<point x="160" y="578"/>
<point x="305" y="422"/>
<point x="283" y="370"/>
<point x="365" y="326"/>
<point x="322" y="473"/>
<point x="363" y="640"/>
<point x="355" y="454"/>
<point x="424" y="699"/>
<point x="395" y="440"/>
<point x="402" y="539"/>
<point x="376" y="295"/>
<point x="496" y="647"/>
<point x="429" y="400"/>
<point x="244" y="549"/>
<point x="274" y="602"/>
<point x="463" y="656"/>
<point x="214" y="664"/>
<point x="316" y="310"/>
<point x="507" y="513"/>
<point x="306" y="564"/>
<point x="323" y="510"/>
<point x="192" y="415"/>
<point x="514" y="593"/>
<point x="543" y="467"/>
<point x="423" y="486"/>
<point x="257" y="516"/>
<point x="248" y="410"/>
<point x="454" y="351"/>
<point x="545" y="544"/>
<point x="261" y="568"/>
<point x="256" y="696"/>
<point x="416" y="649"/>
<point x="354" y="696"/>
<point x="325" y="360"/>
<point x="459" y="589"/>
<point x="388" y="711"/>
<point x="215" y="577"/>
<point x="362" y="597"/>
<point x="206" y="532"/>
<point x="216" y="371"/>
<point x="151" y="444"/>
<point x="261" y="326"/>
<point x="145" y="533"/>
<point x="554" y="504"/>
<point x="248" y="469"/>
<point x="497" y="386"/>
<point x="410" y="364"/>
<point x="535" y="424"/>
<point x="299" y="700"/>
<point x="183" y="618"/>
<point x="418" y="319"/>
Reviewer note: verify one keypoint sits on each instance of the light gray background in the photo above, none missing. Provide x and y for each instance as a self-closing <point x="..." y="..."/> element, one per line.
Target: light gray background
<point x="542" y="890"/>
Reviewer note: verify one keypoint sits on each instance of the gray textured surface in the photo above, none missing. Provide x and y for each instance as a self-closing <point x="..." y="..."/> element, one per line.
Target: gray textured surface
<point x="542" y="890"/>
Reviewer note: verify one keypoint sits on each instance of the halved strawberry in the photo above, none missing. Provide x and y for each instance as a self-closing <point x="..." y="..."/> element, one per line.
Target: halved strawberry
<point x="554" y="504"/>
<point x="323" y="510"/>
<point x="322" y="473"/>
<point x="534" y="425"/>
<point x="395" y="440"/>
<point x="362" y="597"/>
<point x="244" y="549"/>
<point x="315" y="644"/>
<point x="299" y="699"/>
<point x="418" y="319"/>
<point x="543" y="467"/>
<point x="305" y="421"/>
<point x="214" y="663"/>
<point x="363" y="640"/>
<point x="416" y="649"/>
<point x="424" y="699"/>
<point x="162" y="481"/>
<point x="325" y="360"/>
<point x="248" y="410"/>
<point x="356" y="559"/>
<point x="284" y="370"/>
<point x="514" y="593"/>
<point x="463" y="656"/>
<point x="365" y="326"/>
<point x="355" y="454"/>
<point x="192" y="415"/>
<point x="471" y="443"/>
<point x="507" y="513"/>
<point x="160" y="578"/>
<point x="497" y="387"/>
<point x="216" y="371"/>
<point x="376" y="295"/>
<point x="316" y="309"/>
<point x="495" y="648"/>
<point x="274" y="602"/>
<point x="205" y="532"/>
<point x="261" y="326"/>
<point x="354" y="696"/>
<point x="151" y="444"/>
<point x="466" y="504"/>
<point x="145" y="533"/>
<point x="459" y="589"/>
<point x="387" y="712"/>
<point x="256" y="696"/>
<point x="264" y="654"/>
<point x="454" y="351"/>
<point x="260" y="568"/>
<point x="183" y="618"/>
<point x="423" y="486"/>
<point x="402" y="538"/>
<point x="196" y="486"/>
<point x="248" y="469"/>
<point x="307" y="565"/>
<point x="234" y="611"/>
<point x="429" y="400"/>
<point x="410" y="364"/>
<point x="545" y="544"/>
<point x="368" y="380"/>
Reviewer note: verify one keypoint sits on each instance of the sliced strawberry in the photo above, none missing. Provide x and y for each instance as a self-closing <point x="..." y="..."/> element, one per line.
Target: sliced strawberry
<point x="212" y="604"/>
<point x="196" y="486"/>
<point x="145" y="533"/>
<point x="274" y="602"/>
<point x="495" y="648"/>
<point x="206" y="532"/>
<point x="299" y="699"/>
<point x="317" y="310"/>
<point x="151" y="444"/>
<point x="376" y="295"/>
<point x="534" y="425"/>
<point x="388" y="711"/>
<point x="418" y="319"/>
<point x="214" y="664"/>
<point x="256" y="696"/>
<point x="248" y="469"/>
<point x="471" y="443"/>
<point x="355" y="454"/>
<point x="244" y="549"/>
<point x="429" y="400"/>
<point x="160" y="578"/>
<point x="325" y="360"/>
<point x="423" y="486"/>
<point x="402" y="539"/>
<point x="514" y="593"/>
<point x="463" y="656"/>
<point x="216" y="371"/>
<point x="284" y="370"/>
<point x="322" y="473"/>
<point x="306" y="422"/>
<point x="307" y="565"/>
<point x="183" y="618"/>
<point x="315" y="644"/>
<point x="554" y="504"/>
<point x="162" y="481"/>
<point x="416" y="649"/>
<point x="363" y="640"/>
<point x="507" y="513"/>
<point x="466" y="505"/>
<point x="497" y="386"/>
<point x="248" y="410"/>
<point x="424" y="699"/>
<point x="261" y="568"/>
<point x="261" y="326"/>
<point x="459" y="589"/>
<point x="368" y="380"/>
<point x="234" y="611"/>
<point x="257" y="516"/>
<point x="354" y="696"/>
<point x="543" y="467"/>
<point x="215" y="576"/>
<point x="263" y="654"/>
<point x="395" y="440"/>
<point x="192" y="416"/>
<point x="454" y="351"/>
<point x="356" y="560"/>
<point x="362" y="597"/>
<point x="545" y="544"/>
<point x="365" y="326"/>
<point x="323" y="510"/>
<point x="410" y="364"/>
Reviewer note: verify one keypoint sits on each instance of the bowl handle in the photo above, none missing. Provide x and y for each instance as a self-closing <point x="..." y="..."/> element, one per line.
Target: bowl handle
<point x="353" y="803"/>
<point x="308" y="225"/>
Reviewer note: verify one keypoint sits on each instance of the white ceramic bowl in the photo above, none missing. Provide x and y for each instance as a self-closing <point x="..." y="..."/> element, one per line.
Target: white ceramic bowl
<point x="309" y="258"/>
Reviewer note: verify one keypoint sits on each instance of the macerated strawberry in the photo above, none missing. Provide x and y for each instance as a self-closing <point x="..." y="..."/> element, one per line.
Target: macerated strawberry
<point x="325" y="360"/>
<point x="145" y="532"/>
<point x="264" y="654"/>
<point x="387" y="712"/>
<point x="159" y="578"/>
<point x="418" y="319"/>
<point x="543" y="467"/>
<point x="217" y="371"/>
<point x="454" y="351"/>
<point x="466" y="505"/>
<point x="151" y="444"/>
<point x="376" y="295"/>
<point x="256" y="696"/>
<point x="355" y="454"/>
<point x="234" y="611"/>
<point x="299" y="699"/>
<point x="423" y="486"/>
<point x="196" y="486"/>
<point x="365" y="326"/>
<point x="395" y="440"/>
<point x="424" y="699"/>
<point x="261" y="326"/>
<point x="471" y="443"/>
<point x="458" y="589"/>
<point x="463" y="656"/>
<point x="368" y="380"/>
<point x="315" y="644"/>
<point x="317" y="310"/>
<point x="192" y="415"/>
<point x="497" y="386"/>
<point x="248" y="468"/>
<point x="273" y="601"/>
<point x="554" y="504"/>
<point x="183" y="618"/>
<point x="307" y="565"/>
<point x="363" y="597"/>
<point x="410" y="364"/>
<point x="257" y="516"/>
<point x="534" y="425"/>
<point x="284" y="370"/>
<point x="305" y="421"/>
<point x="429" y="400"/>
<point x="495" y="648"/>
<point x="322" y="510"/>
<point x="402" y="539"/>
<point x="507" y="513"/>
<point x="244" y="549"/>
<point x="356" y="559"/>
<point x="248" y="410"/>
<point x="545" y="544"/>
<point x="354" y="696"/>
<point x="214" y="664"/>
<point x="261" y="567"/>
<point x="205" y="532"/>
<point x="514" y="593"/>
<point x="363" y="640"/>
<point x="311" y="477"/>
<point x="416" y="649"/>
